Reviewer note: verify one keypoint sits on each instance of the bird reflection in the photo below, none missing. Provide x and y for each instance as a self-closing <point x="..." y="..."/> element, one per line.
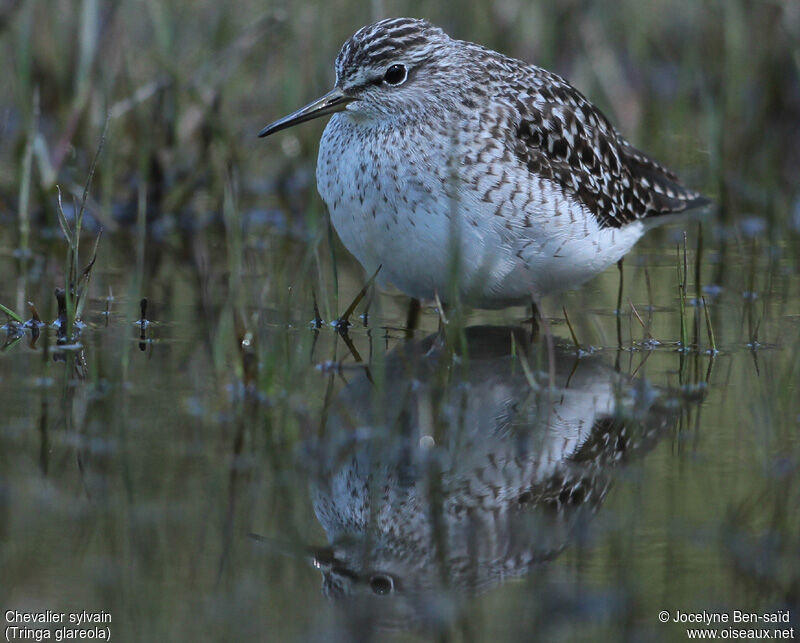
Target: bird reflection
<point x="441" y="476"/>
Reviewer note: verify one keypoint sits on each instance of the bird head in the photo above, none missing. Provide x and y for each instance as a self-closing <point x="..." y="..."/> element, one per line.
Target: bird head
<point x="392" y="69"/>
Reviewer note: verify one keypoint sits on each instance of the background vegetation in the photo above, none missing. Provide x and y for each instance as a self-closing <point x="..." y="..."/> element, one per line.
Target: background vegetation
<point x="136" y="455"/>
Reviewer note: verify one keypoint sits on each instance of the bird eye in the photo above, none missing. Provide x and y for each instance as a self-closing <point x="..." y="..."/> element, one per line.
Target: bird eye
<point x="381" y="584"/>
<point x="395" y="75"/>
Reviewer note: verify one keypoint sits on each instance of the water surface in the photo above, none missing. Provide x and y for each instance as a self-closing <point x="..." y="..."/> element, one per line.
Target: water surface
<point x="312" y="483"/>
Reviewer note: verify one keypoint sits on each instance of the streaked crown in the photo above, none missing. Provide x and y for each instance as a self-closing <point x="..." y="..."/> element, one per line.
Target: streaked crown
<point x="367" y="54"/>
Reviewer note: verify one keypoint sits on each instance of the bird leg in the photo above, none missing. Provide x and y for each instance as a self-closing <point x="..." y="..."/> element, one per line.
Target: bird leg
<point x="619" y="303"/>
<point x="412" y="317"/>
<point x="534" y="320"/>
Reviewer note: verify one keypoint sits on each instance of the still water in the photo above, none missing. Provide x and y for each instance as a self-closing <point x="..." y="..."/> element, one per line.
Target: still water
<point x="228" y="469"/>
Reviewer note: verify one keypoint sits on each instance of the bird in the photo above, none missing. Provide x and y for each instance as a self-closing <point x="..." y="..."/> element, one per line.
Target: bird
<point x="453" y="486"/>
<point x="459" y="173"/>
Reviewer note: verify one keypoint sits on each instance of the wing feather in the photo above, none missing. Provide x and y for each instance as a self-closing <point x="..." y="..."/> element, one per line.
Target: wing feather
<point x="559" y="135"/>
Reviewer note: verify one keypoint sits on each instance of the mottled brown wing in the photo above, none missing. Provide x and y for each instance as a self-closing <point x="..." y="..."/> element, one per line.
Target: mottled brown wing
<point x="561" y="136"/>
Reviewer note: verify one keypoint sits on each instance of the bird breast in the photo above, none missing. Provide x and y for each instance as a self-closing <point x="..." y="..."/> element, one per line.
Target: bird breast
<point x="416" y="198"/>
<point x="393" y="195"/>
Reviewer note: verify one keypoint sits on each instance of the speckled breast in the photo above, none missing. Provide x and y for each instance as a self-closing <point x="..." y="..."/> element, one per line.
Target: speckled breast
<point x="413" y="200"/>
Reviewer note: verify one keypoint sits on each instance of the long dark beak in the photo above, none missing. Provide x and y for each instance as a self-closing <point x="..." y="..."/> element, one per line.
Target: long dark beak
<point x="334" y="101"/>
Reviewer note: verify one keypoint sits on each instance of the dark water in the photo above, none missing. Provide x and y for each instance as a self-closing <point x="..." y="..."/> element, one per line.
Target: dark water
<point x="236" y="473"/>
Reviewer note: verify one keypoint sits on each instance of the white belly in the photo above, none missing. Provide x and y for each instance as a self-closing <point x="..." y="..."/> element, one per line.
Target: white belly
<point x="430" y="232"/>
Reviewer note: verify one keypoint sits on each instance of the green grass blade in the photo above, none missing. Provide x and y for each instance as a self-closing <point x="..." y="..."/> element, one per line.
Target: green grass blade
<point x="11" y="314"/>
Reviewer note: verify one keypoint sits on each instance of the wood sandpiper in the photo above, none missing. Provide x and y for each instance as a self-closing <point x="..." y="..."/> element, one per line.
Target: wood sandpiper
<point x="447" y="163"/>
